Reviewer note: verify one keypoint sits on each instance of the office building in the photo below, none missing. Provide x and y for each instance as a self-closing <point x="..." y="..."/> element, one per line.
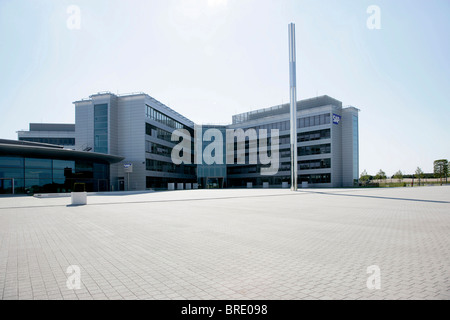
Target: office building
<point x="139" y="129"/>
<point x="327" y="136"/>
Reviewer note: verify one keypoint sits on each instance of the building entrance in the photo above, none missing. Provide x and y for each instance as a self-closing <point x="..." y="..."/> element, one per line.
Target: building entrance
<point x="214" y="183"/>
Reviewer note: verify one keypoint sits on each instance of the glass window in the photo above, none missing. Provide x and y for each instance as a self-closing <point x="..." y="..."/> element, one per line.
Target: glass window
<point x="16" y="173"/>
<point x="38" y="163"/>
<point x="11" y="162"/>
<point x="36" y="173"/>
<point x="316" y="120"/>
<point x="62" y="164"/>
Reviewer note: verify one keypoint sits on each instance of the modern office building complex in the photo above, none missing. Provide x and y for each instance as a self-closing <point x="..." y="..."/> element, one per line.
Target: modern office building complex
<point x="139" y="129"/>
<point x="327" y="136"/>
<point x="60" y="134"/>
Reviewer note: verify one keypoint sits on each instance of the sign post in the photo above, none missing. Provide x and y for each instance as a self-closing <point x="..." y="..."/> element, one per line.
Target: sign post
<point x="128" y="168"/>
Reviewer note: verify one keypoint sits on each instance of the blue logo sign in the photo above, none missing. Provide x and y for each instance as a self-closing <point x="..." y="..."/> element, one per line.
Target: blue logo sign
<point x="336" y="118"/>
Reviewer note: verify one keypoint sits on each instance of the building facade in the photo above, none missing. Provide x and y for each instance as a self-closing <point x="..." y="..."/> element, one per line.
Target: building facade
<point x="139" y="128"/>
<point x="327" y="136"/>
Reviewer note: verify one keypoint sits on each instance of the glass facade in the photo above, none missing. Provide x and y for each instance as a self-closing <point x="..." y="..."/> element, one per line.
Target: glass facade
<point x="315" y="178"/>
<point x="160" y="117"/>
<point x="314" y="164"/>
<point x="162" y="166"/>
<point x="56" y="141"/>
<point x="304" y="122"/>
<point x="35" y="175"/>
<point x="101" y="128"/>
<point x="312" y="121"/>
<point x="158" y="149"/>
<point x="316" y="149"/>
<point x="158" y="132"/>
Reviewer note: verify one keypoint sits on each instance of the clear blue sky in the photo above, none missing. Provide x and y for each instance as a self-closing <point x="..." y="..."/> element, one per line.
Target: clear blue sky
<point x="210" y="59"/>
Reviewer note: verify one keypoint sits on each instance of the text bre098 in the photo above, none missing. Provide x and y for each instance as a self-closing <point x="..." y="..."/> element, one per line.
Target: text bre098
<point x="246" y="309"/>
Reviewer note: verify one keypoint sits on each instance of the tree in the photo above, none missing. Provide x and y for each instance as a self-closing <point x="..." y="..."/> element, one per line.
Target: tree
<point x="398" y="175"/>
<point x="419" y="174"/>
<point x="441" y="169"/>
<point x="364" y="177"/>
<point x="381" y="175"/>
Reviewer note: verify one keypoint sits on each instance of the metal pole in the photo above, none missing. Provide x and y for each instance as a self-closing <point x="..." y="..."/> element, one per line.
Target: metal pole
<point x="293" y="97"/>
<point x="128" y="184"/>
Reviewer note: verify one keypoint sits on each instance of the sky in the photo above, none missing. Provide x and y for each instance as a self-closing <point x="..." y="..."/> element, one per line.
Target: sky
<point x="210" y="59"/>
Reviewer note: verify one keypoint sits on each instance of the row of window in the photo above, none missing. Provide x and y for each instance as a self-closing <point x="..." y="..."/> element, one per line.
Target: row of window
<point x="314" y="121"/>
<point x="316" y="149"/>
<point x="33" y="175"/>
<point x="161" y="166"/>
<point x="284" y="166"/>
<point x="304" y="122"/>
<point x="158" y="149"/>
<point x="316" y="178"/>
<point x="155" y="115"/>
<point x="158" y="132"/>
<point x="307" y="150"/>
<point x="56" y="141"/>
<point x="314" y="164"/>
<point x="33" y="168"/>
<point x="101" y="128"/>
<point x="307" y="136"/>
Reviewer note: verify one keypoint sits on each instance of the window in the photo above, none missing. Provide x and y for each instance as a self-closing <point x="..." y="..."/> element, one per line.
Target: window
<point x="101" y="128"/>
<point x="314" y="135"/>
<point x="158" y="149"/>
<point x="316" y="149"/>
<point x="11" y="162"/>
<point x="315" y="164"/>
<point x="306" y="122"/>
<point x="164" y="119"/>
<point x="316" y="178"/>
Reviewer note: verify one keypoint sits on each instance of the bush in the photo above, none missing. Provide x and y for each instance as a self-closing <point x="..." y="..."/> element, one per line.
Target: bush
<point x="79" y="187"/>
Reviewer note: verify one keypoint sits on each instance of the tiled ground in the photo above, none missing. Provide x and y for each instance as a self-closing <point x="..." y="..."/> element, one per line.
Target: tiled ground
<point x="229" y="244"/>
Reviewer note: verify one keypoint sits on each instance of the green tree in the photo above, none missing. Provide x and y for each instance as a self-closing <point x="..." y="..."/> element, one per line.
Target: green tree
<point x="364" y="177"/>
<point x="419" y="174"/>
<point x="398" y="175"/>
<point x="381" y="175"/>
<point x="441" y="169"/>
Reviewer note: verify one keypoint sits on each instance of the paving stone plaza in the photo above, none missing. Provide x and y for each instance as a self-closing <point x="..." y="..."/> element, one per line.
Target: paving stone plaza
<point x="229" y="244"/>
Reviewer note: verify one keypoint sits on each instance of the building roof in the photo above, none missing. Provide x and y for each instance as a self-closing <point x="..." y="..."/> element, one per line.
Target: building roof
<point x="41" y="150"/>
<point x="135" y="94"/>
<point x="285" y="108"/>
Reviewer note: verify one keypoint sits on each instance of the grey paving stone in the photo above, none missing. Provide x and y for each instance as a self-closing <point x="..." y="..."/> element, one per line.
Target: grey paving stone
<point x="229" y="244"/>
